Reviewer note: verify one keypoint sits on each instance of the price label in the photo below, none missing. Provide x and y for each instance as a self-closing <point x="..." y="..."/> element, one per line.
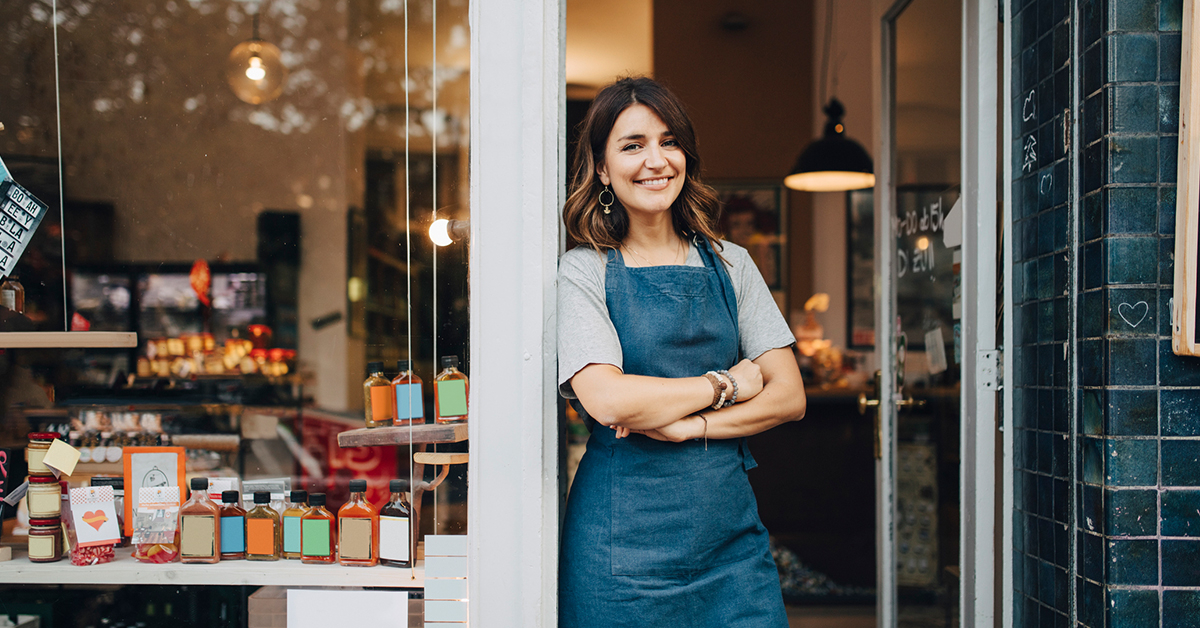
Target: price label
<point x="20" y="214"/>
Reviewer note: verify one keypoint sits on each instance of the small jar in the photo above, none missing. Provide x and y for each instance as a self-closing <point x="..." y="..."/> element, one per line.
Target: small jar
<point x="45" y="540"/>
<point x="35" y="452"/>
<point x="44" y="497"/>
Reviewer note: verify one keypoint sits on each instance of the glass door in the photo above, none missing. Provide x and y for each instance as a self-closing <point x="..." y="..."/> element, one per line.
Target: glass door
<point x="919" y="314"/>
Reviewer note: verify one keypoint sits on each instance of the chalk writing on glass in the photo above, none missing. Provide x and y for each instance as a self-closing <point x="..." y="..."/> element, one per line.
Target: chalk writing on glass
<point x="1046" y="184"/>
<point x="1133" y="315"/>
<point x="1029" y="108"/>
<point x="1029" y="153"/>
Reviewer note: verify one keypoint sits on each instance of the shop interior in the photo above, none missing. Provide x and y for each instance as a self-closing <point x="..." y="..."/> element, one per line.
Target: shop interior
<point x="268" y="241"/>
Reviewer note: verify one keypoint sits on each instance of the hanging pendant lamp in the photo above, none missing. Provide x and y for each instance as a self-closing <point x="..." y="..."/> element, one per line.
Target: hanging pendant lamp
<point x="255" y="70"/>
<point x="834" y="163"/>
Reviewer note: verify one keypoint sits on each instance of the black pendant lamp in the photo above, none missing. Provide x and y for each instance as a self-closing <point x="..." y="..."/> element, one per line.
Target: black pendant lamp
<point x="834" y="163"/>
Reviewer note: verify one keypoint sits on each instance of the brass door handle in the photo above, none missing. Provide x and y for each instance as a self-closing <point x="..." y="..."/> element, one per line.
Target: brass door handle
<point x="864" y="403"/>
<point x="908" y="402"/>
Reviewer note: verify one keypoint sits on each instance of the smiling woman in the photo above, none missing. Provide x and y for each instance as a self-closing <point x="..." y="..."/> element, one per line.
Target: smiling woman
<point x="679" y="351"/>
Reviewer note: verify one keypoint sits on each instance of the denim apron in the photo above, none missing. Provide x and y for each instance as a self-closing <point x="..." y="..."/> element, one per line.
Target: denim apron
<point x="667" y="534"/>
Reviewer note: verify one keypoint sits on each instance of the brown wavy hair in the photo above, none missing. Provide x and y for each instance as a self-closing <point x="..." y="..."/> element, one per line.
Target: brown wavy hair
<point x="697" y="210"/>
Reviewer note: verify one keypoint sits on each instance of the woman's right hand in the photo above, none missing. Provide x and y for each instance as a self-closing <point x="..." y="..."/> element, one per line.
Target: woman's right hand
<point x="749" y="379"/>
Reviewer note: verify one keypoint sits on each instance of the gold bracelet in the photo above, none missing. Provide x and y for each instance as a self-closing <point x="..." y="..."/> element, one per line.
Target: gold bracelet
<point x="705" y="419"/>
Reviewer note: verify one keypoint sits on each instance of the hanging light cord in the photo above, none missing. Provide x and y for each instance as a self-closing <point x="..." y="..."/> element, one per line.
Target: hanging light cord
<point x="826" y="46"/>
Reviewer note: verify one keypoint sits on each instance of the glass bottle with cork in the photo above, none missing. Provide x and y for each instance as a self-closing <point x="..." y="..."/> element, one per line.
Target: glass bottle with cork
<point x="201" y="526"/>
<point x="318" y="537"/>
<point x="296" y="509"/>
<point x="396" y="540"/>
<point x="263" y="532"/>
<point x="358" y="529"/>
<point x="378" y="399"/>
<point x="450" y="392"/>
<point x="233" y="527"/>
<point x="410" y="403"/>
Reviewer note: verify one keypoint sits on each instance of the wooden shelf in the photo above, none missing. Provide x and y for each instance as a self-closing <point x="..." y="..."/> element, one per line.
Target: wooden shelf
<point x="67" y="339"/>
<point x="125" y="570"/>
<point x="404" y="435"/>
<point x="430" y="457"/>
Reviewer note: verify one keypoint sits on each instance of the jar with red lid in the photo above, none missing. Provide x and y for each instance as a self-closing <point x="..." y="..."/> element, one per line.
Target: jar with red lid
<point x="35" y="452"/>
<point x="44" y="498"/>
<point x="45" y="539"/>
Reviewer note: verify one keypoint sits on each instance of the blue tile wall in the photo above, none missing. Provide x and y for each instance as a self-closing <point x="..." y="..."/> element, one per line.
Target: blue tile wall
<point x="1044" y="583"/>
<point x="1131" y="500"/>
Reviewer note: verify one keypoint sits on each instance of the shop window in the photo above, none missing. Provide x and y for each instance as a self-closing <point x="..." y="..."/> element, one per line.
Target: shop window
<point x="248" y="187"/>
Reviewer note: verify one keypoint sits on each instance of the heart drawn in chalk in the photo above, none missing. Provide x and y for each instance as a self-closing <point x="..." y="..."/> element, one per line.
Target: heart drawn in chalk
<point x="95" y="519"/>
<point x="1130" y="313"/>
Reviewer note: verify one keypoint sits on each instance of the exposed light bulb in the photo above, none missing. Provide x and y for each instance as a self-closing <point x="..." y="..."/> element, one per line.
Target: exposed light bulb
<point x="439" y="232"/>
<point x="255" y="71"/>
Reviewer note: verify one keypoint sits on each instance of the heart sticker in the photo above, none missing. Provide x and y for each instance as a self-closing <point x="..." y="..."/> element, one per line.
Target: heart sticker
<point x="95" y="519"/>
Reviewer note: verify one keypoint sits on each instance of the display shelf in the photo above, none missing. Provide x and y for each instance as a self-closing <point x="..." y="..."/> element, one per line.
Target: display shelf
<point x="404" y="435"/>
<point x="67" y="340"/>
<point x="125" y="570"/>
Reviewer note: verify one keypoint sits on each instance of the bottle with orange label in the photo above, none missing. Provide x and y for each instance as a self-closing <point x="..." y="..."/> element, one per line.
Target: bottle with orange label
<point x="263" y="534"/>
<point x="379" y="401"/>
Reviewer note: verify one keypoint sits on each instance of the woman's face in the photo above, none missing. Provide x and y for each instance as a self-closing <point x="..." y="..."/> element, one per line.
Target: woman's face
<point x="643" y="163"/>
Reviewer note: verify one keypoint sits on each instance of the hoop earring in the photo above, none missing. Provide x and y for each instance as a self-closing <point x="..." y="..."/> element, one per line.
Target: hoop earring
<point x="609" y="204"/>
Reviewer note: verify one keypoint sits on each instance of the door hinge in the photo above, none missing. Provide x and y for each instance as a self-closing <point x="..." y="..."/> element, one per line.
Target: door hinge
<point x="989" y="369"/>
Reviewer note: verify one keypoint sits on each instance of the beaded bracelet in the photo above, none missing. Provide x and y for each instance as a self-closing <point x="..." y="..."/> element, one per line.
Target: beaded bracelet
<point x="733" y="399"/>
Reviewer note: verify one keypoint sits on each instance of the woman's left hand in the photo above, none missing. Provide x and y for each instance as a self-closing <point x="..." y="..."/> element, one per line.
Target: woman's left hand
<point x="676" y="432"/>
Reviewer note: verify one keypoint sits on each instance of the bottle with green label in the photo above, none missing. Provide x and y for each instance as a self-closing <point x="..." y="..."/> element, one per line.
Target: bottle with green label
<point x="318" y="535"/>
<point x="450" y="392"/>
<point x="297" y="507"/>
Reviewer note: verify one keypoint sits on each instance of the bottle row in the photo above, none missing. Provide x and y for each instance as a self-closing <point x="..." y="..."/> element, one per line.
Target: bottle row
<point x="203" y="531"/>
<point x="401" y="401"/>
<point x="360" y="534"/>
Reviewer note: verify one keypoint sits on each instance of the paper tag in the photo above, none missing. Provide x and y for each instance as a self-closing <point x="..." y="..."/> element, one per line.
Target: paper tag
<point x="409" y="404"/>
<point x="935" y="348"/>
<point x="452" y="397"/>
<point x="17" y="493"/>
<point x="216" y="486"/>
<point x="61" y="457"/>
<point x="94" y="516"/>
<point x="157" y="515"/>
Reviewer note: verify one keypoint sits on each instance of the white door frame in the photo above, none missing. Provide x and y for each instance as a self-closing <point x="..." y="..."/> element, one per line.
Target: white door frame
<point x="979" y="165"/>
<point x="980" y="377"/>
<point x="518" y="106"/>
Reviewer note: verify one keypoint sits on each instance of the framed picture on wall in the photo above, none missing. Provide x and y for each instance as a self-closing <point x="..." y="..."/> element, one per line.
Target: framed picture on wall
<point x="754" y="217"/>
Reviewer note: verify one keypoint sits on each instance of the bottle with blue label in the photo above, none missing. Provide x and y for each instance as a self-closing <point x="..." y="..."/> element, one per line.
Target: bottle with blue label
<point x="410" y="402"/>
<point x="233" y="527"/>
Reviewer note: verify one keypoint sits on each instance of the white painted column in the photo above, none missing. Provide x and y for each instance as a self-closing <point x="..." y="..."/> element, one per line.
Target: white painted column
<point x="517" y="177"/>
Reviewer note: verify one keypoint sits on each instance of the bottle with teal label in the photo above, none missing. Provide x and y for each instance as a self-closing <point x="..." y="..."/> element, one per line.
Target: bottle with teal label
<point x="297" y="507"/>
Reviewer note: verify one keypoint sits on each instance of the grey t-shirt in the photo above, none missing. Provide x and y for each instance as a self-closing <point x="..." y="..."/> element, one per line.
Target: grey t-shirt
<point x="586" y="334"/>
